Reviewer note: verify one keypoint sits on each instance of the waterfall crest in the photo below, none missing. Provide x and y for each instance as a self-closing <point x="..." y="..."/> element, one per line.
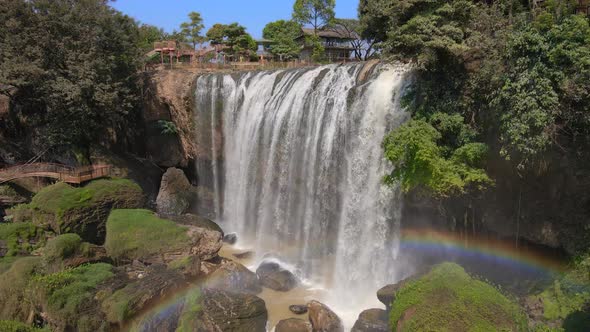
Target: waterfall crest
<point x="298" y="169"/>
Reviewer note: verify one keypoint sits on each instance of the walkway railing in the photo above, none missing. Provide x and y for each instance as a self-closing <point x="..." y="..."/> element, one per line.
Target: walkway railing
<point x="59" y="172"/>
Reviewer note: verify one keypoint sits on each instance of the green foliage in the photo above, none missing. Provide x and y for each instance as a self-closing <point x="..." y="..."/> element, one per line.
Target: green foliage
<point x="62" y="246"/>
<point x="419" y="162"/>
<point x="8" y="191"/>
<point x="134" y="234"/>
<point x="74" y="64"/>
<point x="234" y="36"/>
<point x="148" y="35"/>
<point x="20" y="238"/>
<point x="15" y="302"/>
<point x="62" y="197"/>
<point x="167" y="127"/>
<point x="317" y="13"/>
<point x="283" y="34"/>
<point x="568" y="296"/>
<point x="190" y="312"/>
<point x="448" y="299"/>
<point x="192" y="29"/>
<point x="12" y="326"/>
<point x="68" y="292"/>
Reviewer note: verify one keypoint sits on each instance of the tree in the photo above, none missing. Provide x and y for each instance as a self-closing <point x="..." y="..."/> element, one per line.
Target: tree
<point x="234" y="37"/>
<point x="74" y="64"/>
<point x="363" y="48"/>
<point x="148" y="35"/>
<point x="192" y="30"/>
<point x="317" y="13"/>
<point x="283" y="34"/>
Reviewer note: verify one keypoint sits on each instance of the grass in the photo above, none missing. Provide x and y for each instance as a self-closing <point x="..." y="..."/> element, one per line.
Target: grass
<point x="65" y="292"/>
<point x="133" y="234"/>
<point x="13" y="326"/>
<point x="61" y="197"/>
<point x="17" y="237"/>
<point x="448" y="299"/>
<point x="62" y="247"/>
<point x="14" y="301"/>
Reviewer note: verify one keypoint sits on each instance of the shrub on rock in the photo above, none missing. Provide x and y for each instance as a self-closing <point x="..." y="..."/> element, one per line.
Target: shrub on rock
<point x="19" y="238"/>
<point x="14" y="303"/>
<point x="84" y="211"/>
<point x="448" y="299"/>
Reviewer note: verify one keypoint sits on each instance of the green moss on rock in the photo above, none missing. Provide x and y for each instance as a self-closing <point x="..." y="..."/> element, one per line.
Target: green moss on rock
<point x="62" y="246"/>
<point x="191" y="311"/>
<point x="66" y="209"/>
<point x="135" y="234"/>
<point x="68" y="296"/>
<point x="20" y="238"/>
<point x="15" y="303"/>
<point x="448" y="299"/>
<point x="13" y="326"/>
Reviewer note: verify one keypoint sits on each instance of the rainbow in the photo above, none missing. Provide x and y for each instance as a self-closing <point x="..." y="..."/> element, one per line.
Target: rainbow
<point x="480" y="250"/>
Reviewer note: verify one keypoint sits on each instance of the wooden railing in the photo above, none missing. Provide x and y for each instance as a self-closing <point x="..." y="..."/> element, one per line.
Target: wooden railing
<point x="59" y="172"/>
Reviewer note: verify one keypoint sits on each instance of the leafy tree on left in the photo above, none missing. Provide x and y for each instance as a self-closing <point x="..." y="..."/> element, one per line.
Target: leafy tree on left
<point x="74" y="64"/>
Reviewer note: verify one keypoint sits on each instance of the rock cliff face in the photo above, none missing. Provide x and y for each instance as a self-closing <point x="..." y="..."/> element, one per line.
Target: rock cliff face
<point x="168" y="100"/>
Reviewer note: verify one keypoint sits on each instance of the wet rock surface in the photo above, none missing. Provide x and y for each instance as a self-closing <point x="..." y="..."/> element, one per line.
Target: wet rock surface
<point x="234" y="277"/>
<point x="273" y="276"/>
<point x="298" y="309"/>
<point x="230" y="311"/>
<point x="371" y="320"/>
<point x="230" y="238"/>
<point x="293" y="325"/>
<point x="323" y="318"/>
<point x="175" y="193"/>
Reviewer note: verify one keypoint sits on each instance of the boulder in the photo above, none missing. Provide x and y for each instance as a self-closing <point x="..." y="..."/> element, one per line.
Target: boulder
<point x="244" y="255"/>
<point x="175" y="193"/>
<point x="227" y="311"/>
<point x="138" y="295"/>
<point x="273" y="276"/>
<point x="298" y="309"/>
<point x="387" y="293"/>
<point x="230" y="238"/>
<point x="197" y="221"/>
<point x="141" y="235"/>
<point x="83" y="211"/>
<point x="293" y="325"/>
<point x="234" y="277"/>
<point x="371" y="320"/>
<point x="323" y="318"/>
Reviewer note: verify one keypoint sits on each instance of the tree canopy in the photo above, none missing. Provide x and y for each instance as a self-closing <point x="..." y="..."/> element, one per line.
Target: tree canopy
<point x="283" y="34"/>
<point x="498" y="75"/>
<point x="192" y="29"/>
<point x="74" y="64"/>
<point x="233" y="36"/>
<point x="316" y="13"/>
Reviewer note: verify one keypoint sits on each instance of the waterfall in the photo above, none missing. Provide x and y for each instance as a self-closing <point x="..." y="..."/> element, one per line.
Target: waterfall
<point x="302" y="169"/>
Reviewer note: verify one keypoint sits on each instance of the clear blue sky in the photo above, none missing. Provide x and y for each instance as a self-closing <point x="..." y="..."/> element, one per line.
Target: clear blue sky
<point x="253" y="14"/>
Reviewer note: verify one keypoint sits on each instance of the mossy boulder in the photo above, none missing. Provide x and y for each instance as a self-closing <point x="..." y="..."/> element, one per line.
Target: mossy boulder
<point x="84" y="211"/>
<point x="128" y="301"/>
<point x="68" y="250"/>
<point x="141" y="235"/>
<point x="20" y="239"/>
<point x="566" y="303"/>
<point x="448" y="299"/>
<point x="13" y="326"/>
<point x="15" y="304"/>
<point x="67" y="298"/>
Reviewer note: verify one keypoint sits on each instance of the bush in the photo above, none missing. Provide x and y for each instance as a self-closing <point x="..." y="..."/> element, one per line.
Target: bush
<point x="135" y="234"/>
<point x="448" y="299"/>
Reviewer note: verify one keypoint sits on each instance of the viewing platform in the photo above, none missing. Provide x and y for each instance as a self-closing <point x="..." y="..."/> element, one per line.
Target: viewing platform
<point x="64" y="173"/>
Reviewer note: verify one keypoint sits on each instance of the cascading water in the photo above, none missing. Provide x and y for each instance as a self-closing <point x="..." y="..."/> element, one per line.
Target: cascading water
<point x="302" y="170"/>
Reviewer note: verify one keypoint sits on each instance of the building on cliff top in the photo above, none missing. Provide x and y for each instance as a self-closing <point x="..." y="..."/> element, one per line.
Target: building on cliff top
<point x="336" y="41"/>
